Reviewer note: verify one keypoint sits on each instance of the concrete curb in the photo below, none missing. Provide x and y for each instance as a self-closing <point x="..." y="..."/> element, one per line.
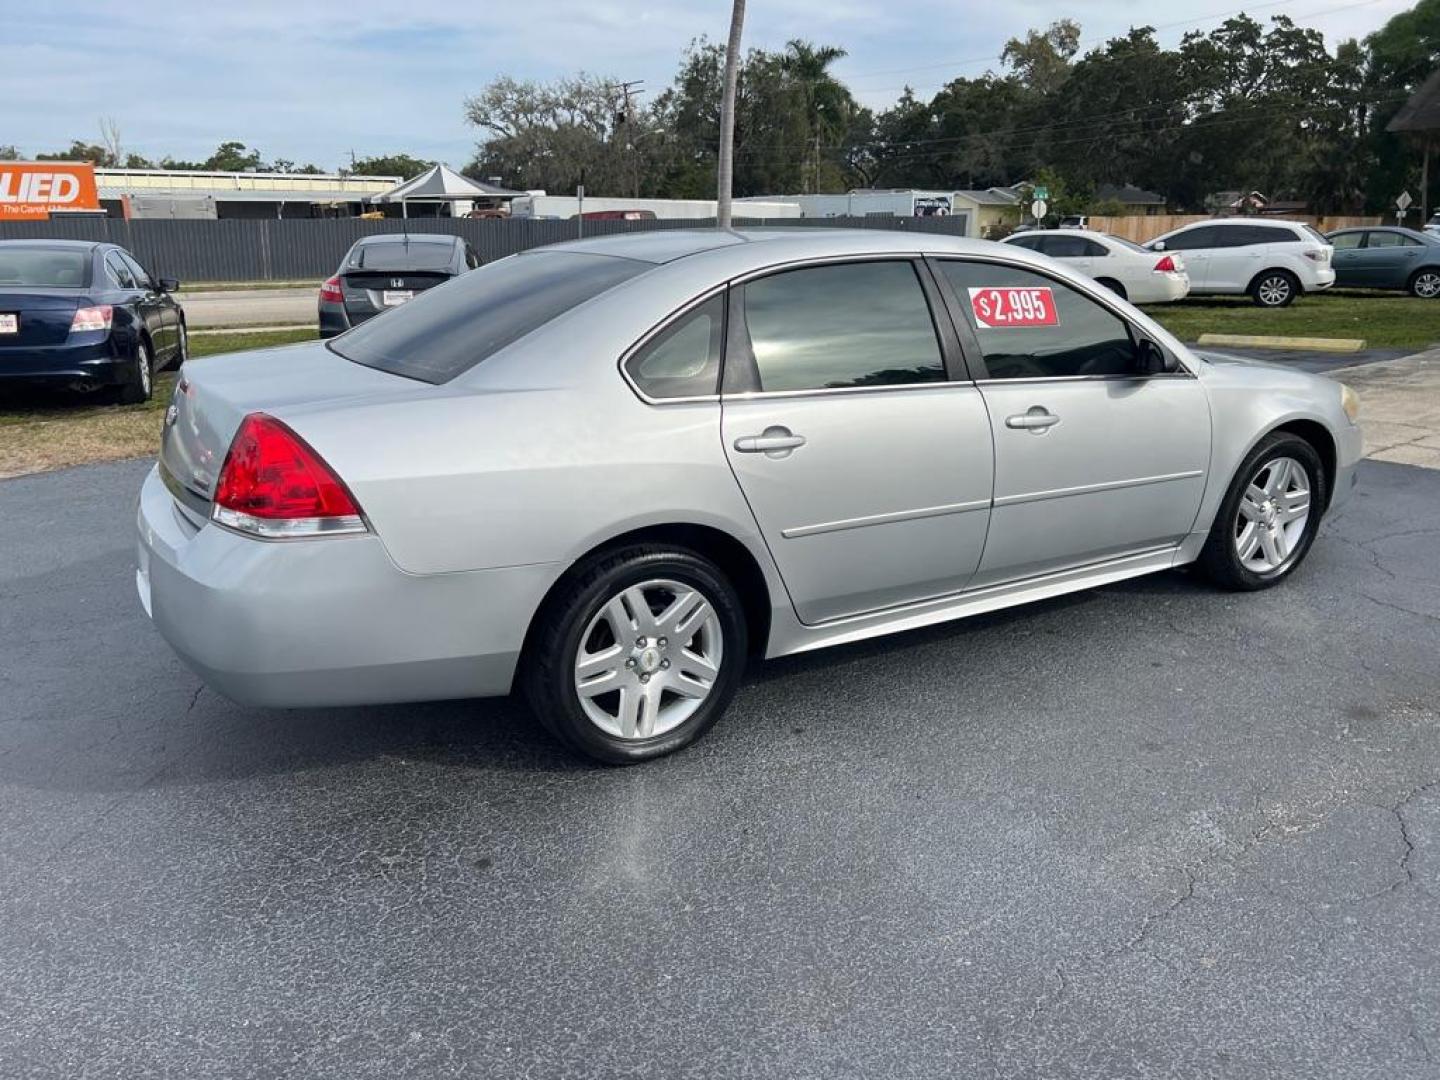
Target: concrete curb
<point x="1260" y="341"/>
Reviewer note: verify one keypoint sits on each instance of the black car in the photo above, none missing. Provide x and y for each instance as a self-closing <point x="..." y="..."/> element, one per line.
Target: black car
<point x="384" y="271"/>
<point x="86" y="316"/>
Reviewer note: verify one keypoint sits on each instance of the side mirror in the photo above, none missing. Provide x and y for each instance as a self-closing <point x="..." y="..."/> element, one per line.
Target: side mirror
<point x="169" y="284"/>
<point x="1153" y="360"/>
<point x="1158" y="245"/>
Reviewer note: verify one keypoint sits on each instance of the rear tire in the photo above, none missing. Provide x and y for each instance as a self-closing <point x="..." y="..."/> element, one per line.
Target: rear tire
<point x="1267" y="498"/>
<point x="140" y="386"/>
<point x="674" y="664"/>
<point x="1425" y="283"/>
<point x="1275" y="289"/>
<point x="1114" y="286"/>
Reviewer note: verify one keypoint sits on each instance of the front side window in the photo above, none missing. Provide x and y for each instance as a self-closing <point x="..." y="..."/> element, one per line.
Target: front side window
<point x="1066" y="247"/>
<point x="1033" y="327"/>
<point x="142" y="277"/>
<point x="683" y="359"/>
<point x="847" y="325"/>
<point x="1391" y="239"/>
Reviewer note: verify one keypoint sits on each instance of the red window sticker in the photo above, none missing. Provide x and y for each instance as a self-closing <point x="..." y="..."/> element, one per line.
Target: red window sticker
<point x="998" y="308"/>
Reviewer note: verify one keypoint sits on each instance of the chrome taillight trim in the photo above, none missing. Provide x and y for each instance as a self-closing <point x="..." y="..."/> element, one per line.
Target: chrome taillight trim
<point x="312" y="528"/>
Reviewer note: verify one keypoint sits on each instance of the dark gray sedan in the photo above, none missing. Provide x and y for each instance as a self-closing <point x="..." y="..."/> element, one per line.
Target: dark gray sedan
<point x="1387" y="257"/>
<point x="384" y="271"/>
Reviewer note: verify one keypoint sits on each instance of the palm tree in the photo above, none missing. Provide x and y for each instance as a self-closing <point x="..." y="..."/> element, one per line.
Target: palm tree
<point x="827" y="103"/>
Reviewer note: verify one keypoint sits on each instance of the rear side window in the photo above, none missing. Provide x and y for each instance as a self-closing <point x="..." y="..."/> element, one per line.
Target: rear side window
<point x="1029" y="243"/>
<point x="1033" y="327"/>
<point x="118" y="271"/>
<point x="40" y="267"/>
<point x="1245" y="235"/>
<point x="683" y="359"/>
<point x="397" y="255"/>
<point x="850" y="325"/>
<point x="1206" y="236"/>
<point x="449" y="329"/>
<point x="1390" y="239"/>
<point x="1068" y="247"/>
<point x="142" y="276"/>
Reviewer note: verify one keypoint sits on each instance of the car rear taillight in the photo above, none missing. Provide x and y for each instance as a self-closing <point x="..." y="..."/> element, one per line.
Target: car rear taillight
<point x="1166" y="265"/>
<point x="330" y="291"/>
<point x="1319" y="255"/>
<point x="98" y="317"/>
<point x="274" y="485"/>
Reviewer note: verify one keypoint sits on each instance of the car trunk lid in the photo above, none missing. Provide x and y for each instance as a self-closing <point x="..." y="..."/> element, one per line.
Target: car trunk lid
<point x="366" y="291"/>
<point x="39" y="318"/>
<point x="214" y="394"/>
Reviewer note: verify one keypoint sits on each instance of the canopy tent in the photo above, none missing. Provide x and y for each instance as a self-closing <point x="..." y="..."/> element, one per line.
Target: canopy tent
<point x="1421" y="116"/>
<point x="440" y="183"/>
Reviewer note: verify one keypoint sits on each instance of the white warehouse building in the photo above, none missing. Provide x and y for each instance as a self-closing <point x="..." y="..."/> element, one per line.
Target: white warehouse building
<point x="983" y="210"/>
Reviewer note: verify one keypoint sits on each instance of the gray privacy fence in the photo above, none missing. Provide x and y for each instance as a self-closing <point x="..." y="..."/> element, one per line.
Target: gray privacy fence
<point x="298" y="250"/>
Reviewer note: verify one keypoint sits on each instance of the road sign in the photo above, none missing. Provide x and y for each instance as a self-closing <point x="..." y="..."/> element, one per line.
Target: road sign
<point x="1404" y="201"/>
<point x="1042" y="193"/>
<point x="1038" y="209"/>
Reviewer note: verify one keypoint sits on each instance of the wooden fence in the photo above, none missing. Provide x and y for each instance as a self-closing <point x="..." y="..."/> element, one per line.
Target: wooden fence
<point x="1139" y="228"/>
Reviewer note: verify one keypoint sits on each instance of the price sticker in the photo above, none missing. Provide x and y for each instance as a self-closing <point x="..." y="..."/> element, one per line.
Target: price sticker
<point x="1000" y="308"/>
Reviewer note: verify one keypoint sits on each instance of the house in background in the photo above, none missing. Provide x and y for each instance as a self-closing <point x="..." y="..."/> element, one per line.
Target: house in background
<point x="1135" y="201"/>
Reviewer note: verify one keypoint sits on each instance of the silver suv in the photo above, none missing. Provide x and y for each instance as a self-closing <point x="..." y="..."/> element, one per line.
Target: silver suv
<point x="1273" y="261"/>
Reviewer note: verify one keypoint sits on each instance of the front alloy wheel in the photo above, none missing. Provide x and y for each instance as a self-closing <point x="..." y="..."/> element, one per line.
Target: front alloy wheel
<point x="1274" y="290"/>
<point x="1273" y="515"/>
<point x="1426" y="284"/>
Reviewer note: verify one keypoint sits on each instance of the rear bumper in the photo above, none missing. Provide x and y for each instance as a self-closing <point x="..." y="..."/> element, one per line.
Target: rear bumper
<point x="99" y="362"/>
<point x="326" y="622"/>
<point x="333" y="320"/>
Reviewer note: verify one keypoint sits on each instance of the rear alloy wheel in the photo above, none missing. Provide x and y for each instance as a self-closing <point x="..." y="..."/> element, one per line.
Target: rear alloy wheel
<point x="141" y="384"/>
<point x="1269" y="517"/>
<point x="1274" y="289"/>
<point x="639" y="655"/>
<point x="1426" y="284"/>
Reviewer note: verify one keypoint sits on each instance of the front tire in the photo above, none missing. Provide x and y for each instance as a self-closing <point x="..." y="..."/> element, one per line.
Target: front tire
<point x="1268" y="519"/>
<point x="139" y="388"/>
<point x="1275" y="289"/>
<point x="638" y="655"/>
<point x="1425" y="283"/>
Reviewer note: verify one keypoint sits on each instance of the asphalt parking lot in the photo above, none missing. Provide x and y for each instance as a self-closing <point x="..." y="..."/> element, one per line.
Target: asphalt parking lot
<point x="1148" y="831"/>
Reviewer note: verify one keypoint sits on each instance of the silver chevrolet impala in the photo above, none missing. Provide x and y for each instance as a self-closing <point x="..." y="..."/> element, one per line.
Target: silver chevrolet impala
<point x="608" y="473"/>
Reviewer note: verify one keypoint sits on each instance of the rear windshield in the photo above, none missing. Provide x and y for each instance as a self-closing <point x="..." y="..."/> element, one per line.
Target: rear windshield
<point x="1127" y="244"/>
<point x="1314" y="234"/>
<point x="54" y="268"/>
<point x="398" y="255"/>
<point x="449" y="329"/>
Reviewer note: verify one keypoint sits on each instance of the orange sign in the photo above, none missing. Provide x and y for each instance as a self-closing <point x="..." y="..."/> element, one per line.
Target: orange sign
<point x="32" y="190"/>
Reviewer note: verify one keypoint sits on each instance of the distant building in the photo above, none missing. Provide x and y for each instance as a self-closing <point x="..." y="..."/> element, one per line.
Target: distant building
<point x="175" y="193"/>
<point x="984" y="212"/>
<point x="1136" y="201"/>
<point x="537" y="204"/>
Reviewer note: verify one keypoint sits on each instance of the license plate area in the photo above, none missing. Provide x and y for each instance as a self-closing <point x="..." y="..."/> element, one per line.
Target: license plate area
<point x="9" y="323"/>
<point x="396" y="297"/>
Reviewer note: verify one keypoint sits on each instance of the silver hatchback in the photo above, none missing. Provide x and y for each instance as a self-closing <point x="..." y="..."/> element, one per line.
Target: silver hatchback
<point x="610" y="473"/>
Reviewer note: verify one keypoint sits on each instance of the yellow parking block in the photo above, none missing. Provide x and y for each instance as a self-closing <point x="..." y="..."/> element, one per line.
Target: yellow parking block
<point x="1262" y="341"/>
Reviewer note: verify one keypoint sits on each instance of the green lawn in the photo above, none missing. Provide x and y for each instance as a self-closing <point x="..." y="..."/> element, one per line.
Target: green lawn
<point x="42" y="430"/>
<point x="1382" y="319"/>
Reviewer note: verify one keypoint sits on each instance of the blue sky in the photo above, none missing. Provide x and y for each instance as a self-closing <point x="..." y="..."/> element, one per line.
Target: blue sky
<point x="312" y="81"/>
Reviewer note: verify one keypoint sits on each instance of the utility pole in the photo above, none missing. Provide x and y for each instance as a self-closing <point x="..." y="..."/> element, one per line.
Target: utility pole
<point x="726" y="170"/>
<point x="628" y="119"/>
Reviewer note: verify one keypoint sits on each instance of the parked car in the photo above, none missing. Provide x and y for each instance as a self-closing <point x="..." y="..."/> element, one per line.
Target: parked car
<point x="384" y="271"/>
<point x="1433" y="225"/>
<point x="1273" y="261"/>
<point x="1128" y="270"/>
<point x="1074" y="221"/>
<point x="1387" y="257"/>
<point x="86" y="316"/>
<point x="526" y="478"/>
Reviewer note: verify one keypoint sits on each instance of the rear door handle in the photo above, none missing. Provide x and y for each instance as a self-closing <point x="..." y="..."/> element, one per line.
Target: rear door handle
<point x="774" y="441"/>
<point x="1037" y="419"/>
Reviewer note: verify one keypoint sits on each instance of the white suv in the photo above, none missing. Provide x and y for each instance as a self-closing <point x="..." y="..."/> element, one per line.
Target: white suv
<point x="1273" y="261"/>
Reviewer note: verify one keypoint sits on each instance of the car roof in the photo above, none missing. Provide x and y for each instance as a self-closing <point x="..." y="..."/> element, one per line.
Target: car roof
<point x="1401" y="229"/>
<point x="67" y="245"/>
<point x="408" y="238"/>
<point x="770" y="245"/>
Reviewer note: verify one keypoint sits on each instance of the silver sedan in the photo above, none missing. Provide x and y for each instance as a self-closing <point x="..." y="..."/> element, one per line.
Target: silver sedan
<point x="609" y="473"/>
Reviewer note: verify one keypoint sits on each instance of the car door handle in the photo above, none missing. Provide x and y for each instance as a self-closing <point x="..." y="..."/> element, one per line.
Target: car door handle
<point x="775" y="441"/>
<point x="1037" y="419"/>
